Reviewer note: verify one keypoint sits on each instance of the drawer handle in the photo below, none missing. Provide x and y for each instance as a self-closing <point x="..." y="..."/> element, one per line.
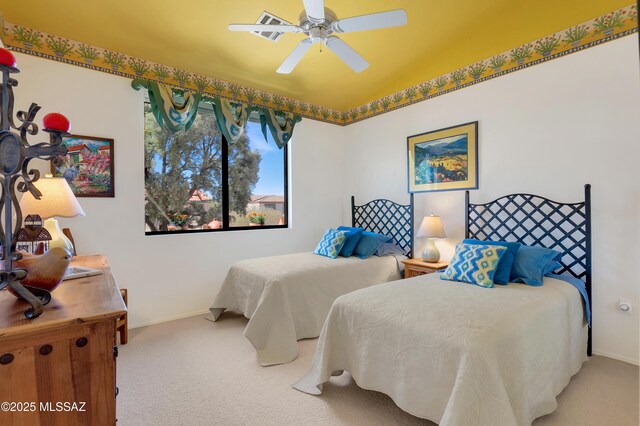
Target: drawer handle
<point x="82" y="342"/>
<point x="46" y="349"/>
<point x="6" y="359"/>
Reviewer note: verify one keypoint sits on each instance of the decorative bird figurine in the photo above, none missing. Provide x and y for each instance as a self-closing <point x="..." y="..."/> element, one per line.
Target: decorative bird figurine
<point x="44" y="271"/>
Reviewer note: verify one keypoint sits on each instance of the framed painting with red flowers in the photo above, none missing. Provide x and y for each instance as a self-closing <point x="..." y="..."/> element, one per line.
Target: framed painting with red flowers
<point x="88" y="166"/>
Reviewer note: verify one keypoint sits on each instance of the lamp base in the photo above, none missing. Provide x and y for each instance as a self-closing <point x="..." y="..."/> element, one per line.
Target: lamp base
<point x="58" y="239"/>
<point x="431" y="253"/>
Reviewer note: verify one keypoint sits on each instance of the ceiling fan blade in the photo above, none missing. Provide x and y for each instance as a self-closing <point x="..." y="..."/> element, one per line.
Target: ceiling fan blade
<point x="347" y="54"/>
<point x="261" y="28"/>
<point x="294" y="57"/>
<point x="314" y="10"/>
<point x="391" y="18"/>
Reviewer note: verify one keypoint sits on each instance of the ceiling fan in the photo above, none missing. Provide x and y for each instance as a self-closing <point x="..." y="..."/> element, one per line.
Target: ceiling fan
<point x="319" y="24"/>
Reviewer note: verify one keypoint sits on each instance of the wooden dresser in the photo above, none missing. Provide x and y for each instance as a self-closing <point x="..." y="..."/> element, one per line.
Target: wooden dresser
<point x="60" y="368"/>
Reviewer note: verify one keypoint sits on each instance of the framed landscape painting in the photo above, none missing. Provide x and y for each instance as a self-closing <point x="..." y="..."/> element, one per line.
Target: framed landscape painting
<point x="88" y="166"/>
<point x="444" y="160"/>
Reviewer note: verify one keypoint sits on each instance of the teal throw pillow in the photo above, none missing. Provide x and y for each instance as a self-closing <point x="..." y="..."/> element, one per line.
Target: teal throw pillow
<point x="331" y="243"/>
<point x="474" y="264"/>
<point x="369" y="243"/>
<point x="353" y="236"/>
<point x="532" y="263"/>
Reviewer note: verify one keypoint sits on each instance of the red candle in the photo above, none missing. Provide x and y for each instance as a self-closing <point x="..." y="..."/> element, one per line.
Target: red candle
<point x="7" y="58"/>
<point x="56" y="121"/>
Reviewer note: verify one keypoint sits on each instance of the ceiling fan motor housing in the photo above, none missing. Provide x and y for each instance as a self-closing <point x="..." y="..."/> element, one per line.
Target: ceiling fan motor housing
<point x="306" y="21"/>
<point x="318" y="30"/>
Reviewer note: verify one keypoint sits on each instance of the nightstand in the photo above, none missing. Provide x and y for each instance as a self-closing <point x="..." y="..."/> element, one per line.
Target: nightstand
<point x="415" y="267"/>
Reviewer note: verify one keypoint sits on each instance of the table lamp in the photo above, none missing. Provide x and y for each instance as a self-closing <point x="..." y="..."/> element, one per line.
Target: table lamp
<point x="57" y="200"/>
<point x="431" y="228"/>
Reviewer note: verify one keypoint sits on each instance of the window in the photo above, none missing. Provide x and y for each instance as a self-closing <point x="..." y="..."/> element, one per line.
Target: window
<point x="195" y="181"/>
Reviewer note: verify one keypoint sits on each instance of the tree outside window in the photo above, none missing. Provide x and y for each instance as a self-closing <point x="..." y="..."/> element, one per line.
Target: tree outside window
<point x="185" y="186"/>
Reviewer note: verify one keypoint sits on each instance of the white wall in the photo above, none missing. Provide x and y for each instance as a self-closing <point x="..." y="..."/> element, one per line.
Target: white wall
<point x="172" y="276"/>
<point x="545" y="130"/>
<point x="548" y="130"/>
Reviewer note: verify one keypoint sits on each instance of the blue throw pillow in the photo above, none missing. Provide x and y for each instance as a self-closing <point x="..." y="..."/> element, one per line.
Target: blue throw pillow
<point x="387" y="249"/>
<point x="353" y="236"/>
<point x="331" y="243"/>
<point x="474" y="264"/>
<point x="369" y="243"/>
<point x="532" y="263"/>
<point x="552" y="267"/>
<point x="506" y="262"/>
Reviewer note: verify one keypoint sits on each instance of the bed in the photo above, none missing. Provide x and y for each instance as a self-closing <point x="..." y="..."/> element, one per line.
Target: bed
<point x="287" y="298"/>
<point x="458" y="354"/>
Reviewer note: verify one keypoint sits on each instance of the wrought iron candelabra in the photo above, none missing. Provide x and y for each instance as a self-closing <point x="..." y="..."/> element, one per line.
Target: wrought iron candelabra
<point x="15" y="176"/>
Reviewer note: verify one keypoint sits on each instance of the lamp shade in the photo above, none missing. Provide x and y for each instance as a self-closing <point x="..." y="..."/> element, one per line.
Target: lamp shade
<point x="57" y="200"/>
<point x="431" y="227"/>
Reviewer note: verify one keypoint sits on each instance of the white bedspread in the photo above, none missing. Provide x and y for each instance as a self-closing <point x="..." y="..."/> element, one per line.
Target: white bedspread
<point x="287" y="298"/>
<point x="455" y="353"/>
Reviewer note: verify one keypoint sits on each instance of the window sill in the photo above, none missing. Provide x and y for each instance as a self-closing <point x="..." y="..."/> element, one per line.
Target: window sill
<point x="235" y="228"/>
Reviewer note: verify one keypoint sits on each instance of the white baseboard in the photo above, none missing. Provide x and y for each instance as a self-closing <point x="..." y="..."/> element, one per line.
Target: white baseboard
<point x="177" y="317"/>
<point x="618" y="357"/>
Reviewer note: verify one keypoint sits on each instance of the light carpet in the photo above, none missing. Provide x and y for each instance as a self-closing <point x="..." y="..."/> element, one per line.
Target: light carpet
<point x="196" y="372"/>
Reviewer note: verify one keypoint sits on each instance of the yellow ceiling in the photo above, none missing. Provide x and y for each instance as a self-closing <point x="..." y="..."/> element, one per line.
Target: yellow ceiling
<point x="441" y="36"/>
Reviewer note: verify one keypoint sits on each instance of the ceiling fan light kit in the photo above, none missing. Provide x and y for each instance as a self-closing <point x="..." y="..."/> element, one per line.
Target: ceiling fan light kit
<point x="319" y="23"/>
<point x="318" y="34"/>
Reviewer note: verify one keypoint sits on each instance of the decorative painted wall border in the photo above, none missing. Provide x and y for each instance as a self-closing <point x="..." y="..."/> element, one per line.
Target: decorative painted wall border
<point x="611" y="26"/>
<point x="45" y="45"/>
<point x="619" y="23"/>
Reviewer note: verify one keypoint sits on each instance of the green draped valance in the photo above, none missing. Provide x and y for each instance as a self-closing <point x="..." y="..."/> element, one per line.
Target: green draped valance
<point x="231" y="116"/>
<point x="170" y="113"/>
<point x="280" y="125"/>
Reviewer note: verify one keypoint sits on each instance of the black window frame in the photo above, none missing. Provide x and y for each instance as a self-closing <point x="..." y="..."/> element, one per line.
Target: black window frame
<point x="225" y="199"/>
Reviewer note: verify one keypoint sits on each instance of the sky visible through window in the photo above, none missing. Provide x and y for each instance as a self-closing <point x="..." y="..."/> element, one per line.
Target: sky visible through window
<point x="271" y="172"/>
